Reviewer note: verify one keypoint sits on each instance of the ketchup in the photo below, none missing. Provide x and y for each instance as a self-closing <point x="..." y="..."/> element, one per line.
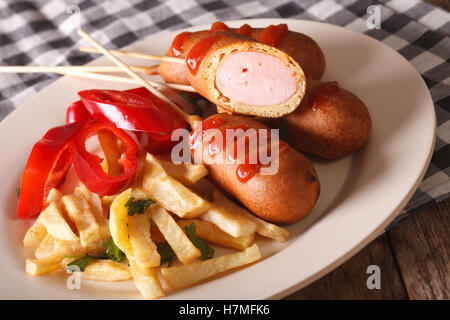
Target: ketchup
<point x="245" y="30"/>
<point x="321" y="94"/>
<point x="272" y="35"/>
<point x="198" y="52"/>
<point x="218" y="26"/>
<point x="177" y="44"/>
<point x="198" y="132"/>
<point x="246" y="171"/>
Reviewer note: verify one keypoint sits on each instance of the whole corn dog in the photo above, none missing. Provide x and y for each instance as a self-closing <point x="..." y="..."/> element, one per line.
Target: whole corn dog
<point x="304" y="50"/>
<point x="285" y="196"/>
<point x="331" y="122"/>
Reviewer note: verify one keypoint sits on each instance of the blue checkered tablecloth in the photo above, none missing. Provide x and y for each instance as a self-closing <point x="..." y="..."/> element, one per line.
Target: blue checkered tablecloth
<point x="42" y="32"/>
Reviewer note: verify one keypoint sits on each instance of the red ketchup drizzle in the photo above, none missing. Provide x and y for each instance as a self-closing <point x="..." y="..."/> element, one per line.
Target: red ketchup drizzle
<point x="246" y="171"/>
<point x="320" y="95"/>
<point x="198" y="52"/>
<point x="215" y="147"/>
<point x="177" y="44"/>
<point x="198" y="132"/>
<point x="245" y="30"/>
<point x="272" y="35"/>
<point x="218" y="26"/>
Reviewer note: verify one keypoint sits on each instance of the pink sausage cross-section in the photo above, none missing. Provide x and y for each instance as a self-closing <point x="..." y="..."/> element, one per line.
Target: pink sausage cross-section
<point x="255" y="78"/>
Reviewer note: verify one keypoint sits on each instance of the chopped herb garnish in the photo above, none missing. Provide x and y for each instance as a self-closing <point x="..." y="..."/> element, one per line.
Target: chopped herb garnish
<point x="205" y="249"/>
<point x="113" y="252"/>
<point x="18" y="192"/>
<point x="284" y="130"/>
<point x="78" y="265"/>
<point x="166" y="253"/>
<point x="138" y="206"/>
<point x="81" y="262"/>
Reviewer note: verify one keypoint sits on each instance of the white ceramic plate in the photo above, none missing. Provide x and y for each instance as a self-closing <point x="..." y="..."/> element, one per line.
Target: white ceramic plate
<point x="360" y="194"/>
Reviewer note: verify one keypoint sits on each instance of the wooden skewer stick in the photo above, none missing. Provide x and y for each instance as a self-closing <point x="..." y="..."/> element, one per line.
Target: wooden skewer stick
<point x="106" y="77"/>
<point x="135" y="55"/>
<point x="151" y="70"/>
<point x="188" y="118"/>
<point x="66" y="69"/>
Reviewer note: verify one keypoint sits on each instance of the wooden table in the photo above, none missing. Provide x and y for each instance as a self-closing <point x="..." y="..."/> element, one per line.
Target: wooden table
<point x="413" y="257"/>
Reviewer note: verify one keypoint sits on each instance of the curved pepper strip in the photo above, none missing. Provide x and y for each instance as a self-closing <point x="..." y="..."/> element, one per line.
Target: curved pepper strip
<point x="49" y="161"/>
<point x="160" y="142"/>
<point x="88" y="166"/>
<point x="126" y="110"/>
<point x="77" y="112"/>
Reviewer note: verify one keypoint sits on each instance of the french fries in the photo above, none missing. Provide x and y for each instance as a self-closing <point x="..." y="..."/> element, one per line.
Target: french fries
<point x="184" y="249"/>
<point x="54" y="248"/>
<point x="102" y="270"/>
<point x="137" y="229"/>
<point x="145" y="251"/>
<point x="231" y="223"/>
<point x="69" y="248"/>
<point x="95" y="205"/>
<point x="76" y="226"/>
<point x="78" y="210"/>
<point x="186" y="173"/>
<point x="138" y="177"/>
<point x="187" y="275"/>
<point x="55" y="223"/>
<point x="170" y="193"/>
<point x="46" y="248"/>
<point x="37" y="232"/>
<point x="146" y="281"/>
<point x="39" y="267"/>
<point x="263" y="228"/>
<point x="209" y="232"/>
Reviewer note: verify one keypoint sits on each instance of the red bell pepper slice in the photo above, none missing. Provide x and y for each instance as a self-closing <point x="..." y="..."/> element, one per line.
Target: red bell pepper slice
<point x="126" y="110"/>
<point x="88" y="166"/>
<point x="77" y="112"/>
<point x="49" y="161"/>
<point x="160" y="142"/>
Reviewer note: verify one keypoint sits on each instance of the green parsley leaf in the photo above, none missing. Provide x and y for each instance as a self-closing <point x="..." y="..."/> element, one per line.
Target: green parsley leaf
<point x="113" y="252"/>
<point x="166" y="253"/>
<point x="284" y="130"/>
<point x="138" y="206"/>
<point x="205" y="249"/>
<point x="78" y="265"/>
